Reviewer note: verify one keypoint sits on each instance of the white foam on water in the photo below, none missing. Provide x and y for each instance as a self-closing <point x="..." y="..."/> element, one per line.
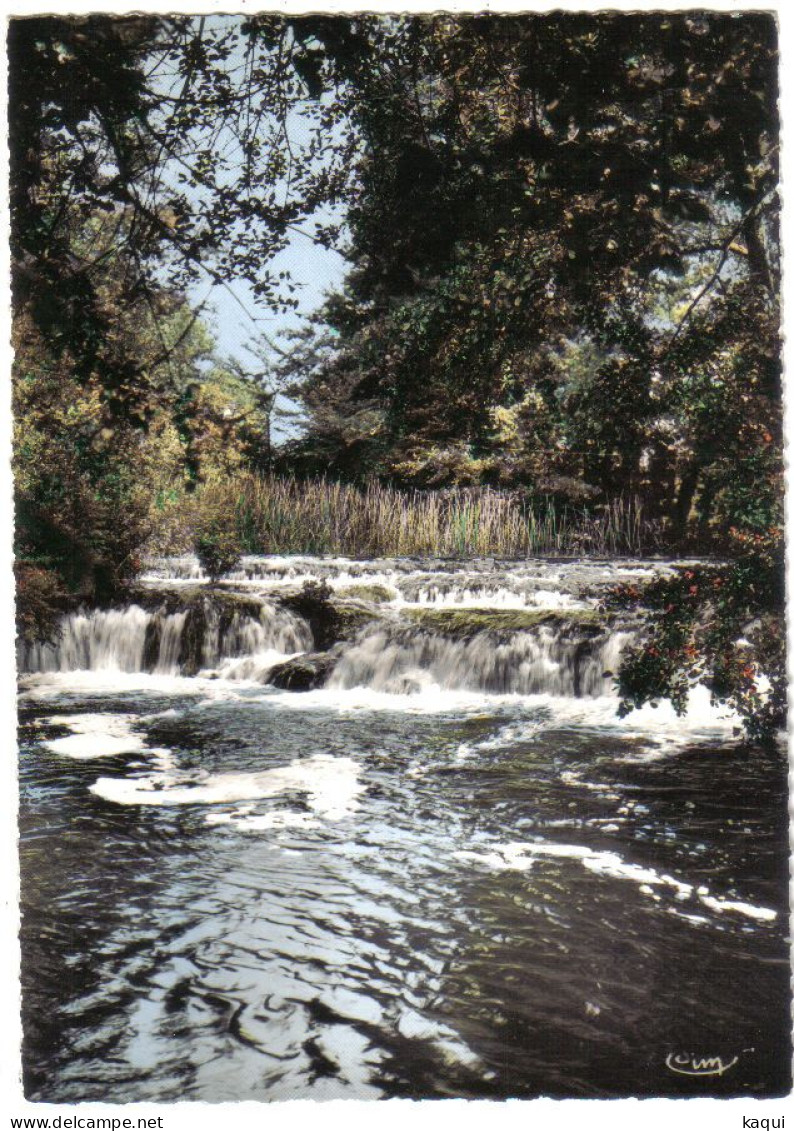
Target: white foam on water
<point x="519" y="731"/>
<point x="605" y="790"/>
<point x="523" y="855"/>
<point x="763" y="914"/>
<point x="554" y="599"/>
<point x="528" y="715"/>
<point x="462" y="597"/>
<point x="52" y="685"/>
<point x="290" y="580"/>
<point x="430" y="699"/>
<point x="702" y="719"/>
<point x="264" y="822"/>
<point x="413" y="1026"/>
<point x="503" y="858"/>
<point x="389" y="579"/>
<point x="253" y="668"/>
<point x="331" y="785"/>
<point x="99" y="735"/>
<point x="94" y="736"/>
<point x="659" y="730"/>
<point x="611" y="864"/>
<point x="639" y="571"/>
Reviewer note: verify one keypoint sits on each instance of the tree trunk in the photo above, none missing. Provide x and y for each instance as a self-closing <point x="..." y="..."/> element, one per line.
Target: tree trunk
<point x="706" y="505"/>
<point x="683" y="503"/>
<point x="756" y="255"/>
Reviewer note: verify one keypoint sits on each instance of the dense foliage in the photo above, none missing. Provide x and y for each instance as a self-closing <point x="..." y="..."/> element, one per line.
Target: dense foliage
<point x="120" y="198"/>
<point x="718" y="625"/>
<point x="563" y="258"/>
<point x="563" y="283"/>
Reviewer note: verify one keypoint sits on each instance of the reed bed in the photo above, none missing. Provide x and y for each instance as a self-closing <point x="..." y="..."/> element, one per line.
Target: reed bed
<point x="281" y="515"/>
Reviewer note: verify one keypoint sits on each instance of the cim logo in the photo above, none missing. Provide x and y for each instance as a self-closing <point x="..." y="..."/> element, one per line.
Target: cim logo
<point x="688" y="1064"/>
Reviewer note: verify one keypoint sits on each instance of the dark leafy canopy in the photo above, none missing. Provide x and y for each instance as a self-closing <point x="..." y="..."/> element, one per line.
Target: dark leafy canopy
<point x="538" y="204"/>
<point x="529" y="194"/>
<point x="565" y="276"/>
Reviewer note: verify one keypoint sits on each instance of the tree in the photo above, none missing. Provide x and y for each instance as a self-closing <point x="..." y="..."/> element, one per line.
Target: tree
<point x="721" y="625"/>
<point x="120" y="198"/>
<point x="86" y="480"/>
<point x="564" y="249"/>
<point x="531" y="184"/>
<point x="142" y="120"/>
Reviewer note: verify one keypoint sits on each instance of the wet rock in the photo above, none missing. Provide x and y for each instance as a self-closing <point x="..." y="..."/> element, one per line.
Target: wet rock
<point x="151" y="646"/>
<point x="374" y="594"/>
<point x="460" y="624"/>
<point x="303" y="673"/>
<point x="175" y="599"/>
<point x="331" y="620"/>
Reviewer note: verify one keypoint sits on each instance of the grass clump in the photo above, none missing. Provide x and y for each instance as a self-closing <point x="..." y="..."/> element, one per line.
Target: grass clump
<point x="282" y="515"/>
<point x="217" y="537"/>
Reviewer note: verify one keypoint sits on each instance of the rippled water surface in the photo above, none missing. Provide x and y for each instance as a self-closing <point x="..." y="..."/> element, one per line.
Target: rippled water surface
<point x="236" y="892"/>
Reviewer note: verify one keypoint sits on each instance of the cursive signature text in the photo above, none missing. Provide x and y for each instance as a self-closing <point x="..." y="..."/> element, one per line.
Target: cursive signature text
<point x="687" y="1064"/>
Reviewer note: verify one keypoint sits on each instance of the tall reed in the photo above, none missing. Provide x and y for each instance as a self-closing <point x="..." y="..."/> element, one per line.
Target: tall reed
<point x="281" y="515"/>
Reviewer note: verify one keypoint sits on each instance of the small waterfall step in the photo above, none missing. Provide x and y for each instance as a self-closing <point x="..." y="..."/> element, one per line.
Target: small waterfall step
<point x="164" y="639"/>
<point x="555" y="656"/>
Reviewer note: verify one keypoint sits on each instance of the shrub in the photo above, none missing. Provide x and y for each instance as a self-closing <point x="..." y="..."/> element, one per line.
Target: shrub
<point x="39" y="602"/>
<point x="720" y="624"/>
<point x="218" y="548"/>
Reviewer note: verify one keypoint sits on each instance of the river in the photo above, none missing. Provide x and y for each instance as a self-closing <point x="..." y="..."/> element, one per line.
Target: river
<point x="445" y="869"/>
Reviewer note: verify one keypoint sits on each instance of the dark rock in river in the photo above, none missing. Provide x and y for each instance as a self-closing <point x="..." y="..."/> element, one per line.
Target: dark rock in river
<point x="330" y="620"/>
<point x="303" y="673"/>
<point x="175" y="599"/>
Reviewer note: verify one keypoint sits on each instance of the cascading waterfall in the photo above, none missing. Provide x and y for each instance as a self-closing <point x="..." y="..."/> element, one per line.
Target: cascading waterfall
<point x="469" y="583"/>
<point x="276" y="630"/>
<point x="171" y="631"/>
<point x="99" y="640"/>
<point x="553" y="660"/>
<point x="134" y="639"/>
<point x="243" y="637"/>
<point x="184" y="567"/>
